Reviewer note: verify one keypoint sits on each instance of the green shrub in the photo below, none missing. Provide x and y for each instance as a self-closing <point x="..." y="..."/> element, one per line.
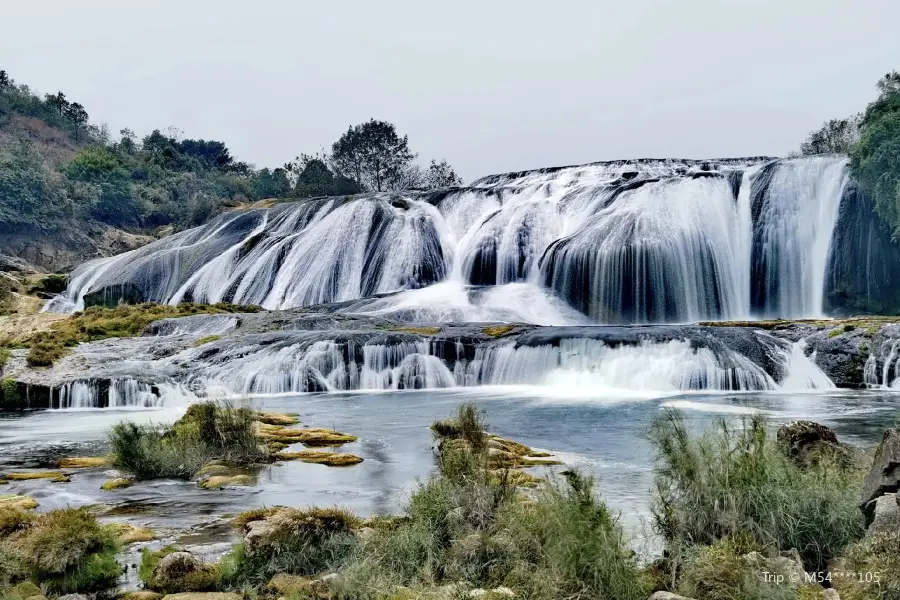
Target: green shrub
<point x="300" y="542"/>
<point x="468" y="425"/>
<point x="207" y="432"/>
<point x="463" y="525"/>
<point x="66" y="551"/>
<point x="733" y="479"/>
<point x="10" y="394"/>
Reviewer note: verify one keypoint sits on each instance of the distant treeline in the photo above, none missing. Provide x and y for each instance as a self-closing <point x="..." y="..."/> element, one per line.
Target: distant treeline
<point x="56" y="168"/>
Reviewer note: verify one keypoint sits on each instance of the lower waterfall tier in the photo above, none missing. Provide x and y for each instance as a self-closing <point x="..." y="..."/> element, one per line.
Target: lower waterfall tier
<point x="284" y="352"/>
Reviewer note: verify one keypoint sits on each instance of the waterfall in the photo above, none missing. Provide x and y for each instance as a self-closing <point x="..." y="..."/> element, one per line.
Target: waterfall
<point x="657" y="361"/>
<point x="795" y="208"/>
<point x="114" y="393"/>
<point x="644" y="241"/>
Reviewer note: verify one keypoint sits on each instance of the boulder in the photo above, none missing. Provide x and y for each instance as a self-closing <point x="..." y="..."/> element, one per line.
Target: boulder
<point x="73" y="597"/>
<point x="117" y="483"/>
<point x="884" y="477"/>
<point x="183" y="572"/>
<point x="800" y="436"/>
<point x="886" y="513"/>
<point x="831" y="594"/>
<point x="667" y="596"/>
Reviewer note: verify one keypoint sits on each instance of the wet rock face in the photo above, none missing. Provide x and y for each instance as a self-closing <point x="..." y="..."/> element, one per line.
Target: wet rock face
<point x="884" y="478"/>
<point x="863" y="273"/>
<point x="800" y="436"/>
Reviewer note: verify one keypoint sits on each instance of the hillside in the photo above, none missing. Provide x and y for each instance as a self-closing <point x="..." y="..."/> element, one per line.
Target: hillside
<point x="69" y="192"/>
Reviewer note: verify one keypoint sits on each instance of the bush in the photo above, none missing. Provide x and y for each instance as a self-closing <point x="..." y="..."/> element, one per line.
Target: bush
<point x="207" y="433"/>
<point x="734" y="480"/>
<point x="66" y="551"/>
<point x="466" y="525"/>
<point x="295" y="542"/>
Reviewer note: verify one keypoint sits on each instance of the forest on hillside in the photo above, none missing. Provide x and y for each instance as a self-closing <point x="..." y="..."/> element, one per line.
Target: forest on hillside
<point x="59" y="168"/>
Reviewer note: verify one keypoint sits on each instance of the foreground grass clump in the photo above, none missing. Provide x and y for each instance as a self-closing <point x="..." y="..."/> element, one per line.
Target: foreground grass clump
<point x="734" y="480"/>
<point x="468" y="527"/>
<point x="207" y="433"/>
<point x="96" y="323"/>
<point x="65" y="551"/>
<point x="289" y="541"/>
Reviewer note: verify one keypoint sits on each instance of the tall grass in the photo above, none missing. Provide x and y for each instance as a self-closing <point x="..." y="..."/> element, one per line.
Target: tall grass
<point x="208" y="432"/>
<point x="734" y="480"/>
<point x="465" y="527"/>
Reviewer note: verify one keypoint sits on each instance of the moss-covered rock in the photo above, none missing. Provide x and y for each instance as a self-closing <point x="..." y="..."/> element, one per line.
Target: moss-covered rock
<point x="117" y="484"/>
<point x="82" y="462"/>
<point x="308" y="437"/>
<point x="274" y="418"/>
<point x="130" y="534"/>
<point x="183" y="572"/>
<point x="53" y="476"/>
<point x="331" y="459"/>
<point x="217" y="482"/>
<point x="17" y="501"/>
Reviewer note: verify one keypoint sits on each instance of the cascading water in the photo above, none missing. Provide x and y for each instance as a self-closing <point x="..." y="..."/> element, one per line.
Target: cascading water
<point x="623" y="242"/>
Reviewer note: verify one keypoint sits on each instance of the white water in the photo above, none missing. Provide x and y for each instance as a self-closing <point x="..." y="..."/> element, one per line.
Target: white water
<point x="676" y="249"/>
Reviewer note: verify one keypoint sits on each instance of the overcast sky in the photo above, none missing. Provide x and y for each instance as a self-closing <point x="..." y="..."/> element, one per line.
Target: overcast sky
<point x="491" y="86"/>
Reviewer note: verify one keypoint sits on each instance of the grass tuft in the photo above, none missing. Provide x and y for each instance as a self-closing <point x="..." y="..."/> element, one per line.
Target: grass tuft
<point x="207" y="433"/>
<point x="734" y="480"/>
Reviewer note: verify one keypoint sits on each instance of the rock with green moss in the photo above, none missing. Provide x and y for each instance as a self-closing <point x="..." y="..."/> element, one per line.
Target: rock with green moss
<point x="117" y="484"/>
<point x="183" y="572"/>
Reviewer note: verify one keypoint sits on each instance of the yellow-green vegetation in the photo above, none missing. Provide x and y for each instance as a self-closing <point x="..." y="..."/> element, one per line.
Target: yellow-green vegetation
<point x="734" y="482"/>
<point x="331" y="459"/>
<point x="207" y="340"/>
<point x="53" y="476"/>
<point x="465" y="528"/>
<point x="207" y="433"/>
<point x="418" y="330"/>
<point x="501" y="453"/>
<point x="17" y="501"/>
<point x="96" y="323"/>
<point x="292" y="542"/>
<point x="498" y="330"/>
<point x="871" y="323"/>
<point x="117" y="484"/>
<point x="254" y="514"/>
<point x="308" y="437"/>
<point x="217" y="482"/>
<point x="877" y="553"/>
<point x="14" y="518"/>
<point x="141" y="596"/>
<point x="130" y="534"/>
<point x="273" y="418"/>
<point x="845" y="328"/>
<point x="82" y="462"/>
<point x="64" y="551"/>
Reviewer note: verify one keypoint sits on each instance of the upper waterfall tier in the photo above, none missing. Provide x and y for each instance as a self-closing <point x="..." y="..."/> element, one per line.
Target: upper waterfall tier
<point x="644" y="241"/>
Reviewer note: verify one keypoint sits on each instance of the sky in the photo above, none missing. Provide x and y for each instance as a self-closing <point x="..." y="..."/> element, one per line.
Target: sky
<point x="491" y="86"/>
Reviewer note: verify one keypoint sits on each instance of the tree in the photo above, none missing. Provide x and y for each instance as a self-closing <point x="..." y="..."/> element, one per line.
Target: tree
<point x="837" y="136"/>
<point x="103" y="168"/>
<point x="5" y="81"/>
<point x="875" y="160"/>
<point x="77" y="116"/>
<point x="372" y="154"/>
<point x="31" y="195"/>
<point x="314" y="178"/>
<point x="57" y="103"/>
<point x="211" y="154"/>
<point x="440" y="175"/>
<point x="270" y="184"/>
<point x="127" y="143"/>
